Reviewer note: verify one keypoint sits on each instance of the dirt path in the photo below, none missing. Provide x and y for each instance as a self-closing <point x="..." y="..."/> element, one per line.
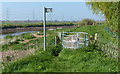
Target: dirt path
<point x="38" y="35"/>
<point x="12" y="55"/>
<point x="25" y="41"/>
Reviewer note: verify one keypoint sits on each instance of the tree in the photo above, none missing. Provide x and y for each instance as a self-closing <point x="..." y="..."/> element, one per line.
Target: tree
<point x="109" y="9"/>
<point x="87" y="22"/>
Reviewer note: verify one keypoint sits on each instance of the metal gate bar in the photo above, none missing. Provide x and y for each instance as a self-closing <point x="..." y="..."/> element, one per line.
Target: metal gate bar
<point x="74" y="39"/>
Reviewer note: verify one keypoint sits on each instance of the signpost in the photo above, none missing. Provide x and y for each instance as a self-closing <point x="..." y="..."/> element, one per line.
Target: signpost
<point x="45" y="10"/>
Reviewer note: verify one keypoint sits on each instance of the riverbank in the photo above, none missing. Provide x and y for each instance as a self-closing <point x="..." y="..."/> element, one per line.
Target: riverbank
<point x="12" y="30"/>
<point x="58" y="59"/>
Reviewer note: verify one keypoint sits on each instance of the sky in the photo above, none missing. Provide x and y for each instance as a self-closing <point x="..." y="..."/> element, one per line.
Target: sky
<point x="62" y="11"/>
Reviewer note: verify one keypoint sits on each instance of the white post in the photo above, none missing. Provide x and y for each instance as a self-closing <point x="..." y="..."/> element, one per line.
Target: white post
<point x="85" y="39"/>
<point x="44" y="20"/>
<point x="72" y="42"/>
<point x="45" y="10"/>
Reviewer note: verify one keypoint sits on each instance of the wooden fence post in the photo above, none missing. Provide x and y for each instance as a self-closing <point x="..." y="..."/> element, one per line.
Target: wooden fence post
<point x="36" y="44"/>
<point x="55" y="41"/>
<point x="77" y="40"/>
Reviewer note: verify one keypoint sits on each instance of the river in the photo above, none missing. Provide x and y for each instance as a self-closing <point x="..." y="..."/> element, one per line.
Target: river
<point x="14" y="34"/>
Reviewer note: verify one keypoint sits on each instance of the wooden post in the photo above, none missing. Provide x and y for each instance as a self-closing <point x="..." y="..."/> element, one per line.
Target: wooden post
<point x="55" y="41"/>
<point x="36" y="44"/>
<point x="95" y="40"/>
<point x="91" y="39"/>
<point x="61" y="37"/>
<point x="77" y="41"/>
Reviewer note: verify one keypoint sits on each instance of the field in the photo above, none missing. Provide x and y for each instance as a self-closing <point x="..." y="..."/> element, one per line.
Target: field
<point x="16" y="24"/>
<point x="58" y="59"/>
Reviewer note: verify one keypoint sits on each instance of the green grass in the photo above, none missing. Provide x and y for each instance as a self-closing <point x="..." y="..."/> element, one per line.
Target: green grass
<point x="81" y="60"/>
<point x="57" y="59"/>
<point x="16" y="45"/>
<point x="28" y="36"/>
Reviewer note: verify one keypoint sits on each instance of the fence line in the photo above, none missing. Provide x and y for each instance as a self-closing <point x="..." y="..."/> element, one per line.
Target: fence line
<point x="110" y="48"/>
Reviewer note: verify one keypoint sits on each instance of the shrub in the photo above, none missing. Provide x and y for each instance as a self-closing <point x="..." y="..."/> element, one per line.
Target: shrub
<point x="39" y="33"/>
<point x="9" y="37"/>
<point x="19" y="40"/>
<point x="5" y="47"/>
<point x="55" y="50"/>
<point x="87" y="22"/>
<point x="12" y="43"/>
<point x="28" y="36"/>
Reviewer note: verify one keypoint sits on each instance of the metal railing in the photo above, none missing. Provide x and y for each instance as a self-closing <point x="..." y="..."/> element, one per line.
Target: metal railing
<point x="74" y="39"/>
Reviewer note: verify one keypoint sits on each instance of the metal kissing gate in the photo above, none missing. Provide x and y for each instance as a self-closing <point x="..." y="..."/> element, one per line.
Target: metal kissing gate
<point x="74" y="39"/>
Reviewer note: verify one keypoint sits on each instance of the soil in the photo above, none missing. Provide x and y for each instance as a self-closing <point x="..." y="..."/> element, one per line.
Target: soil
<point x="38" y="35"/>
<point x="12" y="55"/>
<point x="25" y="41"/>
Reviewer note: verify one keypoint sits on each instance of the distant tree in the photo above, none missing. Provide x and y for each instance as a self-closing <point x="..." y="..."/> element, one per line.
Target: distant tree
<point x="109" y="9"/>
<point x="87" y="22"/>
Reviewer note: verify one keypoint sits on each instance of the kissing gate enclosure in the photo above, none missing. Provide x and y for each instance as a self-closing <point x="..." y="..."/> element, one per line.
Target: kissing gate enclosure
<point x="74" y="39"/>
